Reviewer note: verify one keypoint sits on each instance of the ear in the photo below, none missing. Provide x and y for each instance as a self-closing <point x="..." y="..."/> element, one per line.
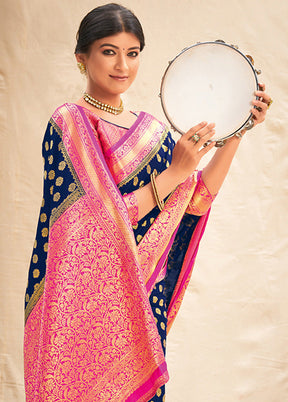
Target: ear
<point x="80" y="57"/>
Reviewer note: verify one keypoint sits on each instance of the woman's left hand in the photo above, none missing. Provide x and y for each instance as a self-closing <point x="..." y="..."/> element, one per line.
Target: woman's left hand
<point x="262" y="104"/>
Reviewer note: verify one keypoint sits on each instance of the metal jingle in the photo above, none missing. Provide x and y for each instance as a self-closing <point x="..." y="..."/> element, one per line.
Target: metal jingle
<point x="250" y="58"/>
<point x="207" y="143"/>
<point x="249" y="124"/>
<point x="220" y="143"/>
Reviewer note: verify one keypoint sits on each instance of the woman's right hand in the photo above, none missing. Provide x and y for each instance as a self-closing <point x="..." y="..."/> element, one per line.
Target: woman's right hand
<point x="185" y="158"/>
<point x="189" y="150"/>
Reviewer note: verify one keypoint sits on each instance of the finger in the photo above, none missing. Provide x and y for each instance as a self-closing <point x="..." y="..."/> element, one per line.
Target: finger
<point x="258" y="116"/>
<point x="263" y="96"/>
<point x="261" y="90"/>
<point x="206" y="149"/>
<point x="260" y="105"/>
<point x="261" y="86"/>
<point x="206" y="138"/>
<point x="206" y="130"/>
<point x="202" y="140"/>
<point x="203" y="134"/>
<point x="256" y="113"/>
<point x="193" y="130"/>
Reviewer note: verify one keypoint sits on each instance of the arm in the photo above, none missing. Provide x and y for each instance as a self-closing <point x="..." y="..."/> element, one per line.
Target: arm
<point x="214" y="173"/>
<point x="185" y="159"/>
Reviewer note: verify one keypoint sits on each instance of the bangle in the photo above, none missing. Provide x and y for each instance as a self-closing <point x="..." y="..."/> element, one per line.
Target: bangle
<point x="238" y="135"/>
<point x="160" y="203"/>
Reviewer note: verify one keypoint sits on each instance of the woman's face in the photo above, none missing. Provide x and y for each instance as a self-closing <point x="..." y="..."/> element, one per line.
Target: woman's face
<point x="111" y="65"/>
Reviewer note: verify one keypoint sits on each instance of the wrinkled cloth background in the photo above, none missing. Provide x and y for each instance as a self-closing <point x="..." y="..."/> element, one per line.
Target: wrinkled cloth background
<point x="229" y="342"/>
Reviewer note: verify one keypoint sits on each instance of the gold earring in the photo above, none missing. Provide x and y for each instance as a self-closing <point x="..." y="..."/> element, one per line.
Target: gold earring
<point x="82" y="68"/>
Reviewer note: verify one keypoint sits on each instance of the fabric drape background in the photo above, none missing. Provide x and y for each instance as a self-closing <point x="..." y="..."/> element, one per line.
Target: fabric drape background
<point x="229" y="341"/>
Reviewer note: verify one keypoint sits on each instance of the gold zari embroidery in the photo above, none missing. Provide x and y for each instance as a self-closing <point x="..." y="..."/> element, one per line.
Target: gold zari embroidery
<point x="145" y="160"/>
<point x="34" y="298"/>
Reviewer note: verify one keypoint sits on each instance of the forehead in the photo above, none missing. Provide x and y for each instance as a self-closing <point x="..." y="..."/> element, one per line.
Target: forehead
<point x="123" y="40"/>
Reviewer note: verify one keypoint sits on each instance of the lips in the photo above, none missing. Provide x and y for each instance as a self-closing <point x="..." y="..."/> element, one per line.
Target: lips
<point x="119" y="78"/>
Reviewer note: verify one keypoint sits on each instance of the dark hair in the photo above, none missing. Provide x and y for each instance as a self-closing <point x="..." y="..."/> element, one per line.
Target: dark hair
<point x="107" y="20"/>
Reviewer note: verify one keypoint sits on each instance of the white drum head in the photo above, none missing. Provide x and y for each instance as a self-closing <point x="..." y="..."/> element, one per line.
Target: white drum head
<point x="211" y="82"/>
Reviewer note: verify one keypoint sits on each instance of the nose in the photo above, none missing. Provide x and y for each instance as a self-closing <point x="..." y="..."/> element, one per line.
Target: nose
<point x="121" y="63"/>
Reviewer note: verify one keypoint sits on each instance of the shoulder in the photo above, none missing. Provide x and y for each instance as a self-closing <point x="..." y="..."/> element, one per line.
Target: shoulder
<point x="158" y="128"/>
<point x="157" y="123"/>
<point x="69" y="112"/>
<point x="150" y="117"/>
<point x="59" y="120"/>
<point x="66" y="109"/>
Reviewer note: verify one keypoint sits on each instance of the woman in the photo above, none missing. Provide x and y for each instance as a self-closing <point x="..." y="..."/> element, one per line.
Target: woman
<point x="122" y="216"/>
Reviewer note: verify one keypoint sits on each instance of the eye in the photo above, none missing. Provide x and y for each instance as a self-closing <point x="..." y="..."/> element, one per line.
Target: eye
<point x="133" y="53"/>
<point x="108" y="52"/>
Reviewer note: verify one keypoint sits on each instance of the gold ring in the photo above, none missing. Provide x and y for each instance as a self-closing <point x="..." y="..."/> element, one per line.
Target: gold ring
<point x="196" y="137"/>
<point x="269" y="103"/>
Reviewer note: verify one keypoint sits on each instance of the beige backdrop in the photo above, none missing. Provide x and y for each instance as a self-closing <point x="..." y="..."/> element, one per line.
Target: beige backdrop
<point x="229" y="342"/>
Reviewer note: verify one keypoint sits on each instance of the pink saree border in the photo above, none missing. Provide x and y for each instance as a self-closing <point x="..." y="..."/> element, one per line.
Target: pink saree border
<point x="144" y="392"/>
<point x="186" y="270"/>
<point x="125" y="137"/>
<point x="87" y="167"/>
<point x="155" y="243"/>
<point x="129" y="156"/>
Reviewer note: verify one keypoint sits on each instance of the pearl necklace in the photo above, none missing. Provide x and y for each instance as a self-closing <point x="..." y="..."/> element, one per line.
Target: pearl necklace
<point x="103" y="106"/>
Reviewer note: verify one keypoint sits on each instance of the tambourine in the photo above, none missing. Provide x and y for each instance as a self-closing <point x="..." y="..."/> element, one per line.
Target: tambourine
<point x="213" y="82"/>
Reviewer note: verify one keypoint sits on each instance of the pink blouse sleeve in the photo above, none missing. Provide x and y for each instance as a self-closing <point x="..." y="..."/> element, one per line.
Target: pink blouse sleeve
<point x="132" y="206"/>
<point x="201" y="199"/>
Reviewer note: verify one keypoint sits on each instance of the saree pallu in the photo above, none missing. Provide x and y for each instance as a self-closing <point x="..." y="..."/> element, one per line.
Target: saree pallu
<point x="90" y="334"/>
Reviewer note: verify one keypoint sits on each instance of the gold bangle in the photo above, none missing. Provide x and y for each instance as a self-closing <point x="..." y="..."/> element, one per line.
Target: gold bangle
<point x="160" y="203"/>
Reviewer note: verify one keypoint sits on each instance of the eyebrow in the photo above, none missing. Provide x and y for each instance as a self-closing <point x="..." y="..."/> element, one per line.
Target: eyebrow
<point x="116" y="47"/>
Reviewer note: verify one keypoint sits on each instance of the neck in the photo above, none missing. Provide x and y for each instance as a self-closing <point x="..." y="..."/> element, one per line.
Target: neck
<point x="103" y="106"/>
<point x="112" y="100"/>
